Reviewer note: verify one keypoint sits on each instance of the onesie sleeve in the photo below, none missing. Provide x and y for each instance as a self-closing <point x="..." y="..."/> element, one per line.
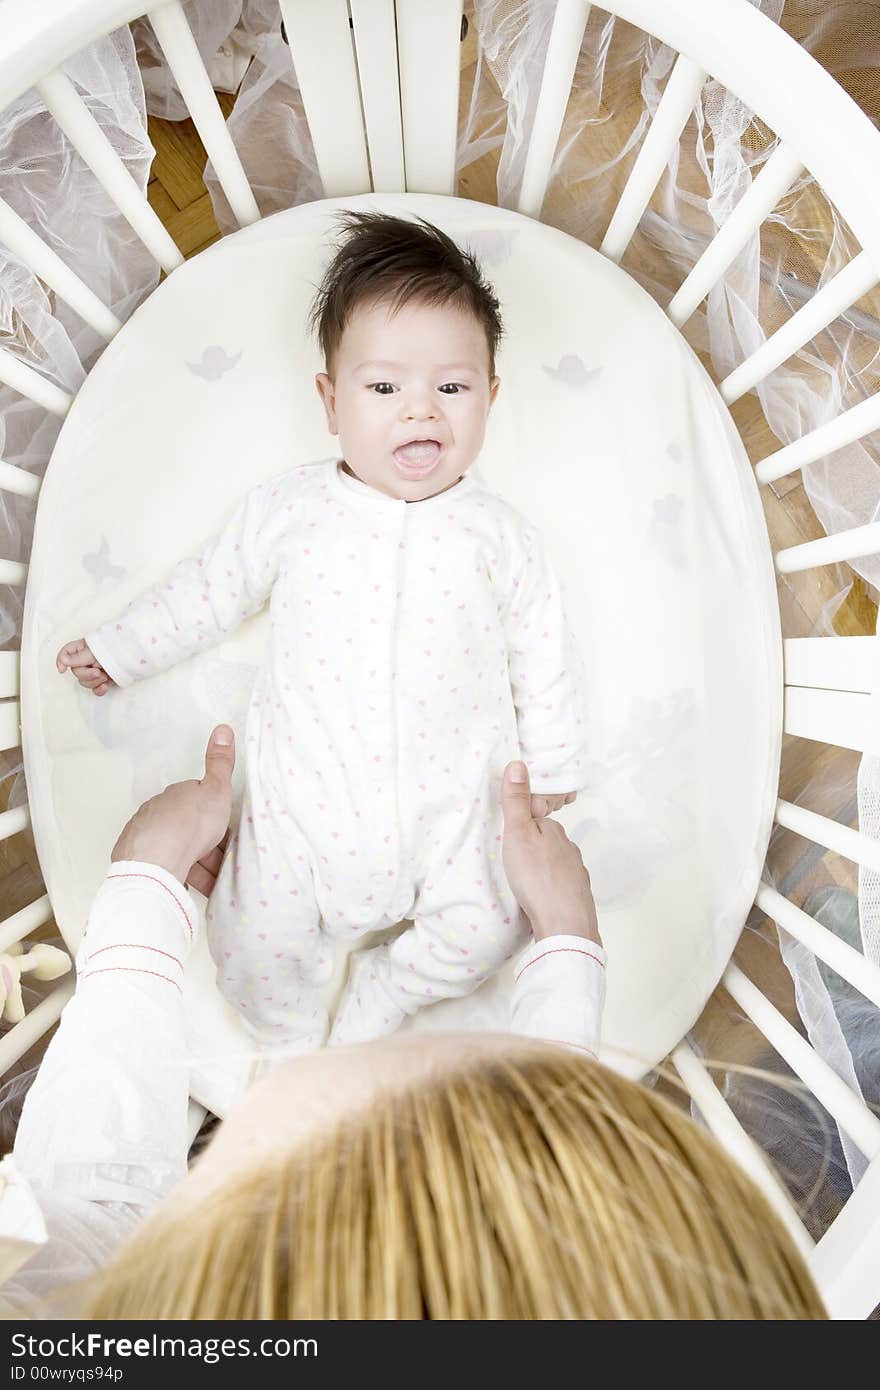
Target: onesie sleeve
<point x="559" y="992"/>
<point x="545" y="671"/>
<point x="205" y="596"/>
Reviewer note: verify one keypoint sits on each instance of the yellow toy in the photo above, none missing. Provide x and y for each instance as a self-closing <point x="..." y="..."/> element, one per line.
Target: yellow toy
<point x="43" y="962"/>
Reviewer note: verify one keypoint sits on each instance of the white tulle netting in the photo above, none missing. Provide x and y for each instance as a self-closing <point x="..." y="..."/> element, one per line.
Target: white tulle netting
<point x="620" y="77"/>
<point x="48" y="184"/>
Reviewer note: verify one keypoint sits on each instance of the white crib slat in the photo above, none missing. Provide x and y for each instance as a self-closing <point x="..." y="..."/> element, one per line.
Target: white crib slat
<point x="670" y="119"/>
<point x="16" y="1042"/>
<point x="18" y="480"/>
<point x="429" y="47"/>
<point x="850" y="964"/>
<point x="375" y="41"/>
<point x="833" y="663"/>
<point x="16" y="927"/>
<point x="844" y="1105"/>
<point x="321" y="49"/>
<point x="9" y="673"/>
<point x="179" y="46"/>
<point x="84" y="133"/>
<point x="774" y="180"/>
<point x="10" y="724"/>
<point x="30" y="248"/>
<point x="846" y="1261"/>
<point x="845" y="545"/>
<point x="827" y="304"/>
<point x="730" y="1133"/>
<point x="27" y="382"/>
<point x="839" y="717"/>
<point x="861" y="849"/>
<point x="13" y="572"/>
<point x="849" y="426"/>
<point x="566" y="37"/>
<point x="14" y="821"/>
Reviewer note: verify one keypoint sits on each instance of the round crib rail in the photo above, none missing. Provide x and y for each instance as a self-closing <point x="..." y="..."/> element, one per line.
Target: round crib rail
<point x="9" y="674"/>
<point x="833" y="299"/>
<point x="364" y="91"/>
<point x="35" y="39"/>
<point x="25" y="380"/>
<point x="12" y="572"/>
<point x="861" y="849"/>
<point x="320" y="37"/>
<point x="23" y="242"/>
<point x="848" y="1109"/>
<point x="84" y="133"/>
<point x="23" y="1035"/>
<point x="729" y="1132"/>
<point x="26" y="920"/>
<point x="774" y="180"/>
<point x="14" y="821"/>
<point x="178" y="45"/>
<point x="855" y="423"/>
<point x="18" y="480"/>
<point x="10" y="724"/>
<point x="801" y="103"/>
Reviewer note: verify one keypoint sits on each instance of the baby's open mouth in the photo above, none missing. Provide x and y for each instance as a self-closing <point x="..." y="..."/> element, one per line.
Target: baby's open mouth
<point x="419" y="457"/>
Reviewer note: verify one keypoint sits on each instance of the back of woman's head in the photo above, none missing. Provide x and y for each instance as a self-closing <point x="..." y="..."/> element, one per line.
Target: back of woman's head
<point x="530" y="1185"/>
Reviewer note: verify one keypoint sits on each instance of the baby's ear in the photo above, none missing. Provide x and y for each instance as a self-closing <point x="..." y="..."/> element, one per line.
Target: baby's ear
<point x="494" y="385"/>
<point x="327" y="392"/>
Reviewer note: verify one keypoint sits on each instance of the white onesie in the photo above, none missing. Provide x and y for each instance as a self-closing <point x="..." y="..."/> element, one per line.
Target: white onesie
<point x="415" y="649"/>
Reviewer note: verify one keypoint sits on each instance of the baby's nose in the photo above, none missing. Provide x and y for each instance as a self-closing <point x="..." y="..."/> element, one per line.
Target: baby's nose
<point x="420" y="408"/>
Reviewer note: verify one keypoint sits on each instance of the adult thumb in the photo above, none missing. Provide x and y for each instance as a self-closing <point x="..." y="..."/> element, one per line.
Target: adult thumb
<point x="516" y="804"/>
<point x="220" y="752"/>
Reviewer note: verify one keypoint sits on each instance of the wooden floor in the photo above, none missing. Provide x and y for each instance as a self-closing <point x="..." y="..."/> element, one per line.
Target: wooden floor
<point x="178" y="195"/>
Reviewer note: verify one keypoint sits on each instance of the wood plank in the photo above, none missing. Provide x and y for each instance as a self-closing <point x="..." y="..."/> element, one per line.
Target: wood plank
<point x="161" y="201"/>
<point x="194" y="225"/>
<point x="204" y="246"/>
<point x="179" y="161"/>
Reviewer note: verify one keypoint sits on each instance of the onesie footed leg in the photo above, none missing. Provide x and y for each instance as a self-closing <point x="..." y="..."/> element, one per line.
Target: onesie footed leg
<point x="263" y="929"/>
<point x="277" y="991"/>
<point x="443" y="956"/>
<point x="366" y="1010"/>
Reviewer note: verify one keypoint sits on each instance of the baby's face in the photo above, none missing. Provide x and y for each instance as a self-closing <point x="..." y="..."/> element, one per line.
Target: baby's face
<point x="421" y="374"/>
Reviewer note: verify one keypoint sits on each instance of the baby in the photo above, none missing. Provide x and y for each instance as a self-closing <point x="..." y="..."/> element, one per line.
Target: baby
<point x="418" y="643"/>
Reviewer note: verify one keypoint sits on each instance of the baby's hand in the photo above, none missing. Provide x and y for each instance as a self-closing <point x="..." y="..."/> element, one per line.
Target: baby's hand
<point x="548" y="803"/>
<point x="77" y="657"/>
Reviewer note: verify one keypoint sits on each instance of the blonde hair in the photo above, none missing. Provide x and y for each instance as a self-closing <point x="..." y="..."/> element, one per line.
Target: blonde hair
<point x="531" y="1185"/>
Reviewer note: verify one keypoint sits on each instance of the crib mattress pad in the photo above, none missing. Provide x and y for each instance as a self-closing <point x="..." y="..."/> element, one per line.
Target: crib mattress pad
<point x="607" y="434"/>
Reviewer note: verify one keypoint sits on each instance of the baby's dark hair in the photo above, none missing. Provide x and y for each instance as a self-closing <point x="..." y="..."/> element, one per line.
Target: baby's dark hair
<point x="391" y="259"/>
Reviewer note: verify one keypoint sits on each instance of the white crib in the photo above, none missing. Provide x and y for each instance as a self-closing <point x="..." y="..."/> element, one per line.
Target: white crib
<point x="379" y="82"/>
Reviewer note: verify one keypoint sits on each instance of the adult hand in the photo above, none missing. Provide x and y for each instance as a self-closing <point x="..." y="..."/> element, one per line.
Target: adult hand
<point x="545" y="803"/>
<point x="544" y="867"/>
<point x="185" y="829"/>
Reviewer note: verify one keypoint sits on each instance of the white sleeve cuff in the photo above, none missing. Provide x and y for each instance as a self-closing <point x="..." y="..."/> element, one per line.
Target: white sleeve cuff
<point x="142" y="918"/>
<point x="95" y="643"/>
<point x="559" y="992"/>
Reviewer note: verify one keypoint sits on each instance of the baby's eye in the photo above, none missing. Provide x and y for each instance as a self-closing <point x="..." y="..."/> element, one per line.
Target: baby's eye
<point x="375" y="384"/>
<point x="457" y="386"/>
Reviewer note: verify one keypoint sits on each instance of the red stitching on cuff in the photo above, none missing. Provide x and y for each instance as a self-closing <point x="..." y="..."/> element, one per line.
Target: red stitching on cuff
<point x="559" y="951"/>
<point x="134" y="946"/>
<point x="131" y="970"/>
<point x="150" y="879"/>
